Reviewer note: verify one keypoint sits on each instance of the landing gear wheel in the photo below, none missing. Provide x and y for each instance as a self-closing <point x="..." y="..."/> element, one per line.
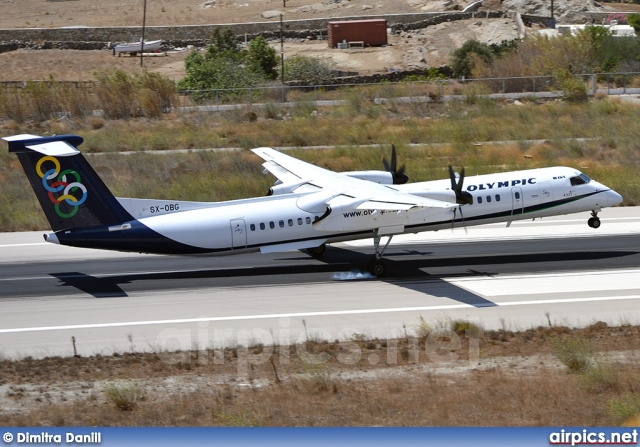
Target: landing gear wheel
<point x="318" y="251"/>
<point x="594" y="222"/>
<point x="377" y="268"/>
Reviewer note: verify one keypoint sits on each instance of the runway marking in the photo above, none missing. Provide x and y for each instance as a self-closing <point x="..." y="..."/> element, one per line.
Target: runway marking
<point x="26" y="245"/>
<point x="309" y="314"/>
<point x="572" y="282"/>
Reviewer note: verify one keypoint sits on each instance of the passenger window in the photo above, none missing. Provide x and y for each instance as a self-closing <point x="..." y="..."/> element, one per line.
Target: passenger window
<point x="517" y="194"/>
<point x="308" y="220"/>
<point x="253" y="227"/>
<point x="299" y="220"/>
<point x="281" y="223"/>
<point x="262" y="227"/>
<point x="479" y="199"/>
<point x="497" y="197"/>
<point x="272" y="225"/>
<point x="290" y="222"/>
<point x="488" y="199"/>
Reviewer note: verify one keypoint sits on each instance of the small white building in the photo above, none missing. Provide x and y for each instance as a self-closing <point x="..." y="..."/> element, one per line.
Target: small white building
<point x="615" y="29"/>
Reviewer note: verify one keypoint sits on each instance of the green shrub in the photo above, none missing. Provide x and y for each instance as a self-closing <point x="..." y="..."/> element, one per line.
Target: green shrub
<point x="600" y="378"/>
<point x="124" y="394"/>
<point x="308" y="70"/>
<point x="225" y="418"/>
<point x="574" y="353"/>
<point x="624" y="408"/>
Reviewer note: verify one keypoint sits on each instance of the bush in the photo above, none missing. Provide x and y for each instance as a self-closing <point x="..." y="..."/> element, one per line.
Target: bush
<point x="600" y="378"/>
<point x="574" y="90"/>
<point x="308" y="70"/>
<point x="624" y="408"/>
<point x="574" y="353"/>
<point x="225" y="66"/>
<point x="463" y="59"/>
<point x="126" y="96"/>
<point x="124" y="394"/>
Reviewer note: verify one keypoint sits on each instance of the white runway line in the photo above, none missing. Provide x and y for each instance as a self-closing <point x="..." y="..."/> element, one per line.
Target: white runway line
<point x="311" y="314"/>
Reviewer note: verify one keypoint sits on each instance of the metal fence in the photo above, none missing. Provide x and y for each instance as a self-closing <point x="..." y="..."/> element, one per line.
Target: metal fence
<point x="381" y="92"/>
<point x="411" y="91"/>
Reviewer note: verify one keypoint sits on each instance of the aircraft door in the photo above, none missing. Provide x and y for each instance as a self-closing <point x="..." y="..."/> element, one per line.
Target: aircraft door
<point x="517" y="200"/>
<point x="238" y="233"/>
<point x="546" y="192"/>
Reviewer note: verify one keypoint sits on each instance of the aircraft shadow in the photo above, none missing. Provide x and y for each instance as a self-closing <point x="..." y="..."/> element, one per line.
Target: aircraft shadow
<point x="407" y="273"/>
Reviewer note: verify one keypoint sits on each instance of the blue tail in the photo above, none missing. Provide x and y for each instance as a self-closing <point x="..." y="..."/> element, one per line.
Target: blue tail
<point x="70" y="192"/>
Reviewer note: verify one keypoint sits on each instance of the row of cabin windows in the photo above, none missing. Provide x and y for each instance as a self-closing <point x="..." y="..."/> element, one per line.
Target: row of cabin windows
<point x="497" y="196"/>
<point x="281" y="223"/>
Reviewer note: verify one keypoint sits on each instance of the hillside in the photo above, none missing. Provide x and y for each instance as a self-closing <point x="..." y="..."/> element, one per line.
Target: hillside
<point x="429" y="47"/>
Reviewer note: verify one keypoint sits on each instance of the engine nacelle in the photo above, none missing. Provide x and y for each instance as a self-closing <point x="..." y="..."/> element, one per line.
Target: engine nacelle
<point x="285" y="188"/>
<point x="381" y="177"/>
<point x="444" y="195"/>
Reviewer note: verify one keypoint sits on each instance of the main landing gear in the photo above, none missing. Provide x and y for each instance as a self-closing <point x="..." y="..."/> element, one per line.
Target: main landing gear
<point x="318" y="251"/>
<point x="376" y="266"/>
<point x="594" y="221"/>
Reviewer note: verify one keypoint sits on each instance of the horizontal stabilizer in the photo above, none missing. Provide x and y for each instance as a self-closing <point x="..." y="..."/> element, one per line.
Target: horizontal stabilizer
<point x="55" y="149"/>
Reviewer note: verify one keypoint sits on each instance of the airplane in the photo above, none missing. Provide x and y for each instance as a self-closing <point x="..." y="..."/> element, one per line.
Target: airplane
<point x="307" y="208"/>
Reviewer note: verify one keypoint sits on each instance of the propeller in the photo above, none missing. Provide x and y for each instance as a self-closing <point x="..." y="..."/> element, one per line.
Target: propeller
<point x="399" y="176"/>
<point x="462" y="197"/>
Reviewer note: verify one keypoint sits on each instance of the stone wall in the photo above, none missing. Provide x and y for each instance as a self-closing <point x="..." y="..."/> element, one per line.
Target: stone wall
<point x="200" y="34"/>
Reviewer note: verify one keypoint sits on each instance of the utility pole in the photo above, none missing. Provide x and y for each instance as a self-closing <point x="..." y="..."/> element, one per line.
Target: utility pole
<point x="144" y="22"/>
<point x="281" y="49"/>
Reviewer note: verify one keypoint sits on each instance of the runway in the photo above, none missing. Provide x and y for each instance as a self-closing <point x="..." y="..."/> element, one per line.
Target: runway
<point x="556" y="270"/>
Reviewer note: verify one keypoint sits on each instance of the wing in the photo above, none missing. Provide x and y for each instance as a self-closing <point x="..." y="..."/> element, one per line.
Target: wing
<point x="334" y="187"/>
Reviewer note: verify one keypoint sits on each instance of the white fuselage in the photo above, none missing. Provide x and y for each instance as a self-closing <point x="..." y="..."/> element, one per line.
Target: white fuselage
<point x="286" y="221"/>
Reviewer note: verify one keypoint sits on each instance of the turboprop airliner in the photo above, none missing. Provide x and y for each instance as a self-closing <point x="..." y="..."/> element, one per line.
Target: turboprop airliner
<point x="307" y="208"/>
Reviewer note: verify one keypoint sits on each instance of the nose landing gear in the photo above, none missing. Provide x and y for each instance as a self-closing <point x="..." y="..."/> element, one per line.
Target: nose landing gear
<point x="594" y="221"/>
<point x="376" y="266"/>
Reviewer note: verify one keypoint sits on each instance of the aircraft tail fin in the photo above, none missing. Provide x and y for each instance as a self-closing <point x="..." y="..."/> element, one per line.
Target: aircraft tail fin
<point x="69" y="191"/>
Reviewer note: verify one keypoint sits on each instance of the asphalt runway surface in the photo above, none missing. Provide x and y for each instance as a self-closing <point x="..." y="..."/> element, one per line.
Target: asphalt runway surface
<point x="556" y="271"/>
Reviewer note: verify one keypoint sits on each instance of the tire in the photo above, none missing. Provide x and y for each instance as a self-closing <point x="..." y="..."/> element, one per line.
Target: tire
<point x="377" y="268"/>
<point x="318" y="251"/>
<point x="594" y="222"/>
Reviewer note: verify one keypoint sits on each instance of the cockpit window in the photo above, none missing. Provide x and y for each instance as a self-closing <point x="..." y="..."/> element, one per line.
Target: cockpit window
<point x="581" y="179"/>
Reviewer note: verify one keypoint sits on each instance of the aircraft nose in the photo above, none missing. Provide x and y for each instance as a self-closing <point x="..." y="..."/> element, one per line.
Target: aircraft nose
<point x="613" y="198"/>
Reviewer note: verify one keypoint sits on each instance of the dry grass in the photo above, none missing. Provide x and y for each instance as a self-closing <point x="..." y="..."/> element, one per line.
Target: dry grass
<point x="599" y="138"/>
<point x="515" y="382"/>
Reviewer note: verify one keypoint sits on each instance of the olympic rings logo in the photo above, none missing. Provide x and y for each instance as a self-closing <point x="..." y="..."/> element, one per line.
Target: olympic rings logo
<point x="61" y="183"/>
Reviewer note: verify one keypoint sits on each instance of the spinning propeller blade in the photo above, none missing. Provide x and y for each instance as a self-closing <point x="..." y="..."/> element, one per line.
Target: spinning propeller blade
<point x="399" y="176"/>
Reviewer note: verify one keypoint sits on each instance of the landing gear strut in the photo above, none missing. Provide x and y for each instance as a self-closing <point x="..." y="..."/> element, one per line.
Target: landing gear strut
<point x="376" y="266"/>
<point x="594" y="221"/>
